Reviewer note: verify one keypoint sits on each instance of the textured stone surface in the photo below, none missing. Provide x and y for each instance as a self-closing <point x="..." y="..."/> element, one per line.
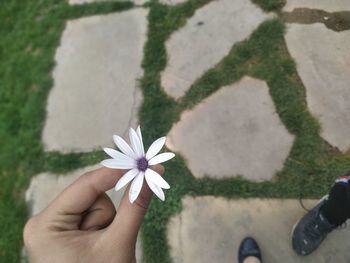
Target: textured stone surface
<point x="95" y="93"/>
<point x="172" y="2"/>
<point x="46" y="186"/>
<point x="210" y="229"/>
<point x="205" y="39"/>
<point x="326" y="5"/>
<point x="323" y="63"/>
<point x="236" y="131"/>
<point x="75" y="2"/>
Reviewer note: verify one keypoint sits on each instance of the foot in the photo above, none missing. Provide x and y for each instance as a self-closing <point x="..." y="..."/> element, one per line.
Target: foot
<point x="311" y="230"/>
<point x="248" y="248"/>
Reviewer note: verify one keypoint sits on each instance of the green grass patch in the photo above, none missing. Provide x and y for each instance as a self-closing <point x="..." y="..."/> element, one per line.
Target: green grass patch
<point x="270" y="5"/>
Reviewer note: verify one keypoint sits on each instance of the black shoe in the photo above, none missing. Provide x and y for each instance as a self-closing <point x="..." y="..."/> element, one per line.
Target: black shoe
<point x="311" y="230"/>
<point x="248" y="248"/>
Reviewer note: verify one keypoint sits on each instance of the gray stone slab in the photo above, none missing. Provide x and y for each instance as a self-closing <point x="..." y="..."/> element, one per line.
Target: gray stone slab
<point x="205" y="39"/>
<point x="326" y="5"/>
<point x="210" y="229"/>
<point x="172" y="2"/>
<point x="323" y="63"/>
<point x="45" y="187"/>
<point x="236" y="131"/>
<point x="95" y="93"/>
<point x="79" y="2"/>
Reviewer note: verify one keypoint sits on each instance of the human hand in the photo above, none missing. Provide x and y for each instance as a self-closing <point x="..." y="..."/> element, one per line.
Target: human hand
<point x="82" y="225"/>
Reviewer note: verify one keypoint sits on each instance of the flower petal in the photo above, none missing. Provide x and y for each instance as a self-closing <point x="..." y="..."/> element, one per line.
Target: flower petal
<point x="135" y="187"/>
<point x="118" y="155"/>
<point x="135" y="143"/>
<point x="161" y="158"/>
<point x="138" y="131"/>
<point x="155" y="178"/>
<point x="156" y="190"/>
<point x="126" y="178"/>
<point x="155" y="147"/>
<point x="123" y="146"/>
<point x="117" y="164"/>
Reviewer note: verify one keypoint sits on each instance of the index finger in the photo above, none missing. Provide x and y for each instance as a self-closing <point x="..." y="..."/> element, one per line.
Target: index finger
<point x="80" y="195"/>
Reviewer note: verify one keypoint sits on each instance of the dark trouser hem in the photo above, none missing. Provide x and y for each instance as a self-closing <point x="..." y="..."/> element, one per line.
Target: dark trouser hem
<point x="337" y="209"/>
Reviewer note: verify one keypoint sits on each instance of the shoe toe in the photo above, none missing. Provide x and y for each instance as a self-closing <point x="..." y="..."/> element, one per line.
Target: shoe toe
<point x="310" y="231"/>
<point x="248" y="247"/>
<point x="300" y="245"/>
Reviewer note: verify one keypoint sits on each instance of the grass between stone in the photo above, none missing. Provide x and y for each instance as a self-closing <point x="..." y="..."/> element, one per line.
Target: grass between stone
<point x="312" y="164"/>
<point x="270" y="5"/>
<point x="30" y="34"/>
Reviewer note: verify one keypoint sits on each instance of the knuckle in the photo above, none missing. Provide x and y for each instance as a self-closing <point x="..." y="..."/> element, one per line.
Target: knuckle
<point x="86" y="176"/>
<point x="29" y="230"/>
<point x="142" y="203"/>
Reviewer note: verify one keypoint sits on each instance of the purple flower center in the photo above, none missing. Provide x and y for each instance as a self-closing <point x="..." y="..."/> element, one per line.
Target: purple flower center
<point x="142" y="164"/>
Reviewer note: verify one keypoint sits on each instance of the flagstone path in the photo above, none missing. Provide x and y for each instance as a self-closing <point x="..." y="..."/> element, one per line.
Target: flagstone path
<point x="205" y="39"/>
<point x="323" y="63"/>
<point x="209" y="229"/>
<point x="235" y="131"/>
<point x="95" y="92"/>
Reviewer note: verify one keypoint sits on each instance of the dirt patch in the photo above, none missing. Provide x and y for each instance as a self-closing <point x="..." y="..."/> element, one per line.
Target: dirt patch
<point x="337" y="21"/>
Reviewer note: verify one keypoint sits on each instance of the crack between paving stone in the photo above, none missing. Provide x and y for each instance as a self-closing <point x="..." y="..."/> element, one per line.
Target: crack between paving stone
<point x="132" y="112"/>
<point x="134" y="96"/>
<point x="336" y="21"/>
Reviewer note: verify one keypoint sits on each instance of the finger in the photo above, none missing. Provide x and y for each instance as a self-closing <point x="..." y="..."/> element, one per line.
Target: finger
<point x="99" y="215"/>
<point x="130" y="215"/>
<point x="80" y="196"/>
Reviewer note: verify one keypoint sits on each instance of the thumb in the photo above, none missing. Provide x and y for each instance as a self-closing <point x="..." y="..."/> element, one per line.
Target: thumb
<point x="128" y="219"/>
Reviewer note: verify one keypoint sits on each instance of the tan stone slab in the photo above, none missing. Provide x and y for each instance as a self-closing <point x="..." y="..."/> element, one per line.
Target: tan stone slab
<point x="210" y="229"/>
<point x="235" y="131"/>
<point x="95" y="93"/>
<point x="172" y="2"/>
<point x="323" y="63"/>
<point x="205" y="39"/>
<point x="45" y="187"/>
<point x="326" y="5"/>
<point x="79" y="2"/>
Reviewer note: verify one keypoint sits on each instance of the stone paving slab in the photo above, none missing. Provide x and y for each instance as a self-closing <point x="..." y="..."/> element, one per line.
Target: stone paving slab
<point x="45" y="187"/>
<point x="205" y="39"/>
<point x="323" y="63"/>
<point x="79" y="2"/>
<point x="326" y="5"/>
<point x="210" y="229"/>
<point x="172" y="2"/>
<point x="95" y="92"/>
<point x="236" y="131"/>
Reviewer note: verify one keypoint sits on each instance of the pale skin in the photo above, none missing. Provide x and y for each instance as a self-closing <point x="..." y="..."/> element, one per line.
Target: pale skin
<point x="251" y="260"/>
<point x="82" y="224"/>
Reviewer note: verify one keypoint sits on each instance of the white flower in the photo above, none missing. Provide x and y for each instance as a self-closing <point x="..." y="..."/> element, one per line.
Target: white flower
<point x="135" y="159"/>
